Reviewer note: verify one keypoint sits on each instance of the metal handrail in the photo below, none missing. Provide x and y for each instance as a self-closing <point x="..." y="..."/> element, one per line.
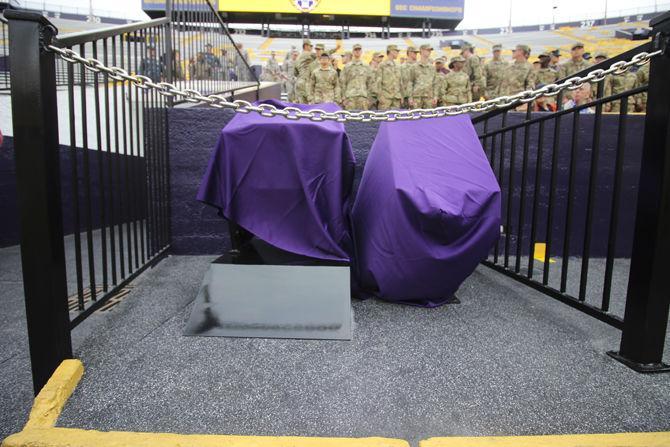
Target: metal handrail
<point x="80" y="37"/>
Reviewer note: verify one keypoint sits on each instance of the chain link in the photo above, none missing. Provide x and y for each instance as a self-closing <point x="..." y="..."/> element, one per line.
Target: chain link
<point x="293" y="113"/>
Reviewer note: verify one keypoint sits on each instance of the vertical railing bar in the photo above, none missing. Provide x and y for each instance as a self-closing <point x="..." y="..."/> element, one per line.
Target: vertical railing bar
<point x="552" y="187"/>
<point x="154" y="183"/>
<point x="595" y="152"/>
<point x="536" y="200"/>
<point x="522" y="199"/>
<point x="110" y="164"/>
<point x="510" y="197"/>
<point x="126" y="179"/>
<point x="616" y="198"/>
<point x="163" y="148"/>
<point x="87" y="178"/>
<point x="101" y="175"/>
<point x="132" y="204"/>
<point x="501" y="173"/>
<point x="119" y="161"/>
<point x="75" y="188"/>
<point x="570" y="202"/>
<point x="138" y="172"/>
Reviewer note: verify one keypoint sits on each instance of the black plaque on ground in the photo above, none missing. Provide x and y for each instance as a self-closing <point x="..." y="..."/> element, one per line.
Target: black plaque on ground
<point x="273" y="301"/>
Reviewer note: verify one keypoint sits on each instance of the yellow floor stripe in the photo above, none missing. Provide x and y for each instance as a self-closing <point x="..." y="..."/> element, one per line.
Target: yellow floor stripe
<point x="539" y="252"/>
<point x="661" y="439"/>
<point x="266" y="44"/>
<point x="51" y="399"/>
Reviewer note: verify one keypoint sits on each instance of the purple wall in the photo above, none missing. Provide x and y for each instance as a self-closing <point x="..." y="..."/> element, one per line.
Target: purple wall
<point x="196" y="229"/>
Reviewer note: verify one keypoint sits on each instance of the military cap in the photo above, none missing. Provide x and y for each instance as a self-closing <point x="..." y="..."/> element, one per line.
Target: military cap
<point x="411" y="50"/>
<point x="577" y="45"/>
<point x="524" y="48"/>
<point x="377" y="54"/>
<point x="358" y="46"/>
<point x="346" y="53"/>
<point x="556" y="53"/>
<point x="601" y="54"/>
<point x="319" y="46"/>
<point x="497" y="47"/>
<point x="457" y="59"/>
<point x="467" y="46"/>
<point x="426" y="46"/>
<point x="541" y="55"/>
<point x="306" y="42"/>
<point x="439" y="60"/>
<point x="391" y="48"/>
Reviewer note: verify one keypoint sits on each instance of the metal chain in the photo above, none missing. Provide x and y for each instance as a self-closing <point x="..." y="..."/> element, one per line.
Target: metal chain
<point x="294" y="113"/>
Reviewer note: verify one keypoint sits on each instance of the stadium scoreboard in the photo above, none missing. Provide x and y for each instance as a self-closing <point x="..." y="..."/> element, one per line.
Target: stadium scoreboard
<point x="355" y="12"/>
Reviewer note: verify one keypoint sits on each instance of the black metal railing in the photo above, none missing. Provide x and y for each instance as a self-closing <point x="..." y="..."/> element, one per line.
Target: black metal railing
<point x="92" y="159"/>
<point x="571" y="181"/>
<point x="4" y="53"/>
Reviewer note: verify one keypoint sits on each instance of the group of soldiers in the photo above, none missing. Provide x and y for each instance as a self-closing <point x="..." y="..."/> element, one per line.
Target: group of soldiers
<point x="419" y="81"/>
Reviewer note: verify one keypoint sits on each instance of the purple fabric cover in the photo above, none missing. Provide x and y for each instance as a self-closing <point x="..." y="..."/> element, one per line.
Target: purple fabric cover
<point x="427" y="210"/>
<point x="287" y="182"/>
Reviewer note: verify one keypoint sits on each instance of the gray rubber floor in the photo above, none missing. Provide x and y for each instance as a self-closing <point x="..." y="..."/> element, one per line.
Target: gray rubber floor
<point x="508" y="360"/>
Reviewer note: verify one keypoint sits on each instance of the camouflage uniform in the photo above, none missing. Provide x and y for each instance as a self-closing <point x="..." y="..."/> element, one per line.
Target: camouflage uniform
<point x="493" y="71"/>
<point x="620" y="84"/>
<point x="517" y="77"/>
<point x="301" y="70"/>
<point x="473" y="68"/>
<point x="457" y="88"/>
<point x="642" y="79"/>
<point x="404" y="76"/>
<point x="356" y="85"/>
<point x="324" y="86"/>
<point x="291" y="79"/>
<point x="547" y="76"/>
<point x="568" y="69"/>
<point x="388" y="84"/>
<point x="424" y="85"/>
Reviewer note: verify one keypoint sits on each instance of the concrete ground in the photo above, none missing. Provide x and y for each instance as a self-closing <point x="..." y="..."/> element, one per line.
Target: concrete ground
<point x="507" y="360"/>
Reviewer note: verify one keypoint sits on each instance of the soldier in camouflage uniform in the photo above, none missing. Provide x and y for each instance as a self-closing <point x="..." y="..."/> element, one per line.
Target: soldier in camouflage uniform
<point x="622" y="83"/>
<point x="324" y="85"/>
<point x="319" y="48"/>
<point x="387" y="80"/>
<point x="424" y="82"/>
<point x="555" y="59"/>
<point x="576" y="64"/>
<point x="473" y="69"/>
<point x="519" y="76"/>
<point x="457" y="88"/>
<point x="546" y="75"/>
<point x="493" y="72"/>
<point x="642" y="79"/>
<point x="607" y="83"/>
<point x="404" y="75"/>
<point x="301" y="71"/>
<point x="289" y="65"/>
<point x="442" y="72"/>
<point x="356" y="82"/>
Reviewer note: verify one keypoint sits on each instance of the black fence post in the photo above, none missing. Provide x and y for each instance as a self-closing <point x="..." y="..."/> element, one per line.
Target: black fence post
<point x="648" y="299"/>
<point x="36" y="148"/>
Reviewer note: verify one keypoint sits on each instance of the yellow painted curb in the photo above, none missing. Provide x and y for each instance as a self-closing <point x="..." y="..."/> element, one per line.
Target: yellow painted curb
<point x="51" y="399"/>
<point x="660" y="439"/>
<point x="72" y="437"/>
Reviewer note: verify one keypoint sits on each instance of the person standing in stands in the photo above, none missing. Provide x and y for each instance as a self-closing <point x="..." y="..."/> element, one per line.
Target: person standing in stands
<point x="642" y="79"/>
<point x="241" y="63"/>
<point x="473" y="69"/>
<point x="301" y="71"/>
<point x="457" y="88"/>
<point x="546" y="76"/>
<point x="356" y="82"/>
<point x="519" y="76"/>
<point x="555" y="59"/>
<point x="387" y="80"/>
<point x="441" y="71"/>
<point x="423" y="81"/>
<point x="493" y="71"/>
<point x="150" y="66"/>
<point x="620" y="84"/>
<point x="212" y="61"/>
<point x="324" y="86"/>
<point x="289" y="64"/>
<point x="404" y="75"/>
<point x="576" y="63"/>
